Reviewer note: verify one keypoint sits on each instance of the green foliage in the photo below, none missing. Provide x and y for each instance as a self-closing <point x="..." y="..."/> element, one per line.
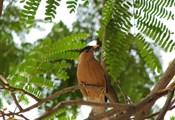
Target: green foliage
<point x="134" y="78"/>
<point x="60" y="31"/>
<point x="51" y="9"/>
<point x="148" y="16"/>
<point x="44" y="60"/>
<point x="28" y="13"/>
<point x="106" y="16"/>
<point x="155" y="8"/>
<point x="113" y="50"/>
<point x="51" y="117"/>
<point x="172" y="118"/>
<point x="10" y="53"/>
<point x="61" y="115"/>
<point x="72" y="5"/>
<point x="117" y="22"/>
<point x="147" y="53"/>
<point x="86" y="2"/>
<point x="116" y="17"/>
<point x="31" y="6"/>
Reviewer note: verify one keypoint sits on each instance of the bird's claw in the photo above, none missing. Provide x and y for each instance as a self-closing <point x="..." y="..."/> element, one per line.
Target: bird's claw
<point x="83" y="84"/>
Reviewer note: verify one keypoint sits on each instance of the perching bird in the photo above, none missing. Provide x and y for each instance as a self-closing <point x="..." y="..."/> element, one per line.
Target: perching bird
<point x="91" y="72"/>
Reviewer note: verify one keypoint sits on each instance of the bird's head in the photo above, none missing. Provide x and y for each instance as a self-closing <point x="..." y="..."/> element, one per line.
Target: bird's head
<point x="87" y="52"/>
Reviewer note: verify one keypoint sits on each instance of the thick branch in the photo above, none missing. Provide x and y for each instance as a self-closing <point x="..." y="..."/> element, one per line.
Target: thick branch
<point x="107" y="114"/>
<point x="145" y="102"/>
<point x="166" y="77"/>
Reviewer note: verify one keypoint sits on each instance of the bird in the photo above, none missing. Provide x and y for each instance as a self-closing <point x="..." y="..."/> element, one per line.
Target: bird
<point x="91" y="72"/>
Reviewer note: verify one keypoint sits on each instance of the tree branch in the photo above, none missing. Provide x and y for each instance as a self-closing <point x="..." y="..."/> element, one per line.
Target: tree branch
<point x="129" y="109"/>
<point x="107" y="114"/>
<point x="126" y="99"/>
<point x="57" y="94"/>
<point x="161" y="84"/>
<point x="141" y="105"/>
<point x="116" y="106"/>
<point x="1" y="7"/>
<point x="6" y="86"/>
<point x="2" y="114"/>
<point x="16" y="102"/>
<point x="20" y="115"/>
<point x="166" y="106"/>
<point x="166" y="78"/>
<point x="154" y="114"/>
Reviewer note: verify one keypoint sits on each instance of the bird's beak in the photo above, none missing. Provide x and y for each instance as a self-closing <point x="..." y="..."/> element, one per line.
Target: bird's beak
<point x="95" y="47"/>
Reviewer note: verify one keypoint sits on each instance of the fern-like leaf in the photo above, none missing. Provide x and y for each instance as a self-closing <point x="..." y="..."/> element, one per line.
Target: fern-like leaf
<point x="72" y="4"/>
<point x="29" y="12"/>
<point x="51" y="9"/>
<point x="147" y="53"/>
<point x="116" y="20"/>
<point x="148" y="15"/>
<point x="44" y="60"/>
<point x="106" y="16"/>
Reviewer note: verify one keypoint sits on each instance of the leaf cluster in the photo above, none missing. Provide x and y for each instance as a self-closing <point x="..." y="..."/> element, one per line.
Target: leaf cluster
<point x="30" y="8"/>
<point x="46" y="60"/>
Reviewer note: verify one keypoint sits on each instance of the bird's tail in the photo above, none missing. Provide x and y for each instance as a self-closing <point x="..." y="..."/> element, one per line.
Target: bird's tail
<point x="98" y="96"/>
<point x="98" y="110"/>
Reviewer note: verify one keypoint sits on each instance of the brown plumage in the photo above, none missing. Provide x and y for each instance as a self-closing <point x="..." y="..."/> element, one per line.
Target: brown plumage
<point x="91" y="72"/>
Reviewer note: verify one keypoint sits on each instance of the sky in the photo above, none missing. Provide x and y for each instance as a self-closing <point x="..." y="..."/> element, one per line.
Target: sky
<point x="64" y="15"/>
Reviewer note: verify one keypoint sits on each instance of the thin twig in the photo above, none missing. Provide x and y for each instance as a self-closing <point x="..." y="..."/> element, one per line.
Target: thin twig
<point x="166" y="106"/>
<point x="2" y="114"/>
<point x="20" y="115"/>
<point x="122" y="92"/>
<point x="151" y="115"/>
<point x="16" y="102"/>
<point x="172" y="107"/>
<point x="172" y="102"/>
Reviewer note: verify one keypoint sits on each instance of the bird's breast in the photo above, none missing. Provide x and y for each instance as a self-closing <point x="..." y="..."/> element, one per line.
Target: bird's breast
<point x="91" y="72"/>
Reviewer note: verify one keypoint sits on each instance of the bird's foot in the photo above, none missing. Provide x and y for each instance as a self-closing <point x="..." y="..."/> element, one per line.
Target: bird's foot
<point x="83" y="84"/>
